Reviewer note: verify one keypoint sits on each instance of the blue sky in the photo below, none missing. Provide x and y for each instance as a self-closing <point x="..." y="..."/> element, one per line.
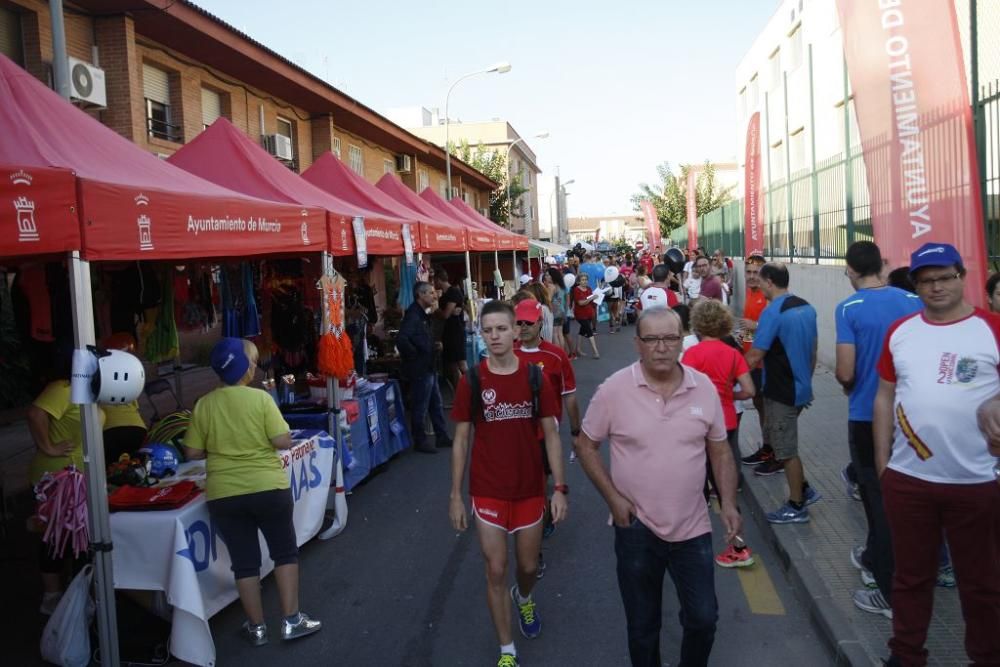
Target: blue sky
<point x="621" y="86"/>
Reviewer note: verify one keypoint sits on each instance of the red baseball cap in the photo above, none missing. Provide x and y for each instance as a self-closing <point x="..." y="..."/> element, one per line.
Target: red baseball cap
<point x="528" y="310"/>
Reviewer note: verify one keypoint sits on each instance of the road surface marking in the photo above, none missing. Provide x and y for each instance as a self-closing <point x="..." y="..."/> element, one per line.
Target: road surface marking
<point x="756" y="583"/>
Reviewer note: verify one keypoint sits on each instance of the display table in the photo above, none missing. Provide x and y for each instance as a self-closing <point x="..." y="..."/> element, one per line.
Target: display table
<point x="180" y="552"/>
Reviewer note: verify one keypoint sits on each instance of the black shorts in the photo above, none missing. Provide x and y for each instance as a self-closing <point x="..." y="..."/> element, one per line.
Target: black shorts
<point x="240" y="517"/>
<point x="586" y="328"/>
<point x="565" y="326"/>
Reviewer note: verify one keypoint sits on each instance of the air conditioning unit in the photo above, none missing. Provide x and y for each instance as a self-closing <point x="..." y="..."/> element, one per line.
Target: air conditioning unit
<point x="279" y="146"/>
<point x="404" y="164"/>
<point x="86" y="84"/>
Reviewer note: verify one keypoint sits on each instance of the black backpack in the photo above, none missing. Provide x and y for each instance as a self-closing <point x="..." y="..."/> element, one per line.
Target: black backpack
<point x="476" y="391"/>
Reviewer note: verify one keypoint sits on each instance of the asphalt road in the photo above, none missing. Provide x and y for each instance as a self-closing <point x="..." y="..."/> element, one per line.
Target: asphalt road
<point x="400" y="587"/>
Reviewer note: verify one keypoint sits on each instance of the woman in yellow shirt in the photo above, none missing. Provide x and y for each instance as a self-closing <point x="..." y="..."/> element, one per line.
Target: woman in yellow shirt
<point x="237" y="429"/>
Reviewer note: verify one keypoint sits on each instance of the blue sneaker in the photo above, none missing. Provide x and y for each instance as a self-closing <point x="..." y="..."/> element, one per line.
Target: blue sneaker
<point x="527" y="618"/>
<point x="811" y="496"/>
<point x="946" y="576"/>
<point x="788" y="514"/>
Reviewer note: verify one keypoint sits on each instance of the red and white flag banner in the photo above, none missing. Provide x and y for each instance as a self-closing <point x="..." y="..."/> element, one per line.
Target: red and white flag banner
<point x="907" y="73"/>
<point x="753" y="203"/>
<point x="652" y="225"/>
<point x="692" y="208"/>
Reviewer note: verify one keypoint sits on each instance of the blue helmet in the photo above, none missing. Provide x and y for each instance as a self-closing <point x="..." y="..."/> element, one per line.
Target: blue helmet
<point x="163" y="459"/>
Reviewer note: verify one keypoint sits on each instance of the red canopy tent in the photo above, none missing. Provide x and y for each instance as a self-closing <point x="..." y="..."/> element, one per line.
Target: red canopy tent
<point x="132" y="204"/>
<point x="436" y="233"/>
<point x="223" y="154"/>
<point x="475" y="239"/>
<point x="39" y="216"/>
<point x="510" y="240"/>
<point x="475" y="230"/>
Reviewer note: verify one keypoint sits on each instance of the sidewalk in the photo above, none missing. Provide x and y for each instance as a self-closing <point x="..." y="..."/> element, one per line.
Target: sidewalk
<point x="816" y="555"/>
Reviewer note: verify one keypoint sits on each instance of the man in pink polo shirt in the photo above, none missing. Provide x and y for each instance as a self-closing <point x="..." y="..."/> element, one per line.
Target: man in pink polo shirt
<point x="654" y="487"/>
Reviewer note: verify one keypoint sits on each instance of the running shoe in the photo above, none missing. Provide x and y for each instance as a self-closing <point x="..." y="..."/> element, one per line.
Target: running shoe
<point x="788" y="514"/>
<point x="508" y="660"/>
<point x="256" y="635"/>
<point x="527" y="618"/>
<point x="868" y="579"/>
<point x="303" y="627"/>
<point x="733" y="557"/>
<point x="857" y="560"/>
<point x="811" y="495"/>
<point x="872" y="601"/>
<point x="769" y="467"/>
<point x="850" y="488"/>
<point x="541" y="566"/>
<point x="758" y="457"/>
<point x="946" y="576"/>
<point x="572" y="456"/>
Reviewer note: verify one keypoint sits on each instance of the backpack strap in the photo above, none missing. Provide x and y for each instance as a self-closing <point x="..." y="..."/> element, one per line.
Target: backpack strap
<point x="535" y="381"/>
<point x="475" y="393"/>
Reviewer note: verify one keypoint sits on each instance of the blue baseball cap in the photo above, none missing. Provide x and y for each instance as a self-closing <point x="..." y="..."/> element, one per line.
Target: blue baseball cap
<point x="934" y="254"/>
<point x="229" y="361"/>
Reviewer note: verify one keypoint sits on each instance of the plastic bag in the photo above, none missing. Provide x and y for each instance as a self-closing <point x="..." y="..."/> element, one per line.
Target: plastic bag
<point x="66" y="638"/>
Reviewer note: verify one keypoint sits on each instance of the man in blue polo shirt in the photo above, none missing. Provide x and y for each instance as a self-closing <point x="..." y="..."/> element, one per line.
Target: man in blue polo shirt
<point x="786" y="340"/>
<point x="862" y="322"/>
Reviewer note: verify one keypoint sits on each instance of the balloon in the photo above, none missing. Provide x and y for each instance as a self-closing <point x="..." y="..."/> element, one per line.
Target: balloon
<point x="550" y="260"/>
<point x="674" y="259"/>
<point x="569" y="280"/>
<point x="610" y="274"/>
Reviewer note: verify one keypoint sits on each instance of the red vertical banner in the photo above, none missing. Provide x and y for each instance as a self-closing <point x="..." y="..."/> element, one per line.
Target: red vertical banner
<point x="753" y="208"/>
<point x="692" y="208"/>
<point x="910" y="92"/>
<point x="652" y="225"/>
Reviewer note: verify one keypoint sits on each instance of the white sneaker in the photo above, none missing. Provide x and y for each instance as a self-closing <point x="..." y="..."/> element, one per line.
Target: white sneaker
<point x="49" y="603"/>
<point x="572" y="456"/>
<point x="872" y="602"/>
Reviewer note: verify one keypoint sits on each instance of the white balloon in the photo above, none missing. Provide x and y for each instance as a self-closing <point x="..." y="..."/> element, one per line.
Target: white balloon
<point x="610" y="274"/>
<point x="569" y="280"/>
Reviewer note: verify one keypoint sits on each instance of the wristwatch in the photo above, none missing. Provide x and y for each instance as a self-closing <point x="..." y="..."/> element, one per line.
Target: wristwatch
<point x="562" y="488"/>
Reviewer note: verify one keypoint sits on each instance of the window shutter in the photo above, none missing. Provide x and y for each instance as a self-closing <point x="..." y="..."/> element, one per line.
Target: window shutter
<point x="211" y="106"/>
<point x="156" y="84"/>
<point x="10" y="34"/>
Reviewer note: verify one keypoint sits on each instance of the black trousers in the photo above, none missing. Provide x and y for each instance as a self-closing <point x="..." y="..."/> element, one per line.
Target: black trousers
<point x="240" y="517"/>
<point x="878" y="545"/>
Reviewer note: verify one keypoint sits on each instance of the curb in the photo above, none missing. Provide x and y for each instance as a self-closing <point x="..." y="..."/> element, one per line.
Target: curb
<point x="846" y="648"/>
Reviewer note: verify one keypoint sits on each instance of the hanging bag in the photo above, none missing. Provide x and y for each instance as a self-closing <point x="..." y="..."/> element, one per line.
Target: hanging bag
<point x="66" y="637"/>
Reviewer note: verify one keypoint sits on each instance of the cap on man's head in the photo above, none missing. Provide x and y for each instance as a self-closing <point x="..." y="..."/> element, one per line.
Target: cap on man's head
<point x="525" y="278"/>
<point x="653" y="297"/>
<point x="528" y="310"/>
<point x="229" y="361"/>
<point x="934" y="254"/>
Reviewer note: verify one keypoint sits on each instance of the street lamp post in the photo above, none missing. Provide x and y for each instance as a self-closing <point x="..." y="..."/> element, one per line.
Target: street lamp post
<point x="561" y="194"/>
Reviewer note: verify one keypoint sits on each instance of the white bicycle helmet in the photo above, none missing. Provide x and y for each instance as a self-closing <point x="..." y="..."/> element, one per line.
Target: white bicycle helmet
<point x="120" y="378"/>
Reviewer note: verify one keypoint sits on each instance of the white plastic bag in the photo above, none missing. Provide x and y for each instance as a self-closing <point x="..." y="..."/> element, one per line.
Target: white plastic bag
<point x="66" y="638"/>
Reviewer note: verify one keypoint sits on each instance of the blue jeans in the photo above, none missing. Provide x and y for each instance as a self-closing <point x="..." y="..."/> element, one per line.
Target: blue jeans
<point x="643" y="558"/>
<point x="425" y="396"/>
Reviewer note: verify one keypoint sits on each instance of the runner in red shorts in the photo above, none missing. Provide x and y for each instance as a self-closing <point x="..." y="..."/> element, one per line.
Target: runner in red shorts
<point x="507" y="401"/>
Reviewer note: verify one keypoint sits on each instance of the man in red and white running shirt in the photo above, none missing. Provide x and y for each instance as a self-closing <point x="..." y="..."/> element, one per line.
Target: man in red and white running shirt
<point x="937" y="473"/>
<point x="506" y="480"/>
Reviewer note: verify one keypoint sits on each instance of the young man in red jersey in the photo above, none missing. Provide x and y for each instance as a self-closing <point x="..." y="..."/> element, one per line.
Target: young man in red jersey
<point x="506" y="479"/>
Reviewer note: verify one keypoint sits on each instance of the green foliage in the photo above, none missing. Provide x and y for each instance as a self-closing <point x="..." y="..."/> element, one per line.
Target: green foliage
<point x="492" y="164"/>
<point x="622" y="247"/>
<point x="669" y="196"/>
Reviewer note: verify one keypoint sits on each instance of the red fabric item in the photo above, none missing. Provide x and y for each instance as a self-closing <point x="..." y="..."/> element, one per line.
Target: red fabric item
<point x="480" y="237"/>
<point x="753" y="306"/>
<point x="393" y="187"/>
<point x="652" y="223"/>
<point x="692" y="208"/>
<point x="31" y="281"/>
<point x="38" y="215"/>
<point x="509" y="515"/>
<point x="429" y="233"/>
<point x="133" y="205"/>
<point x="141" y="498"/>
<point x="753" y="211"/>
<point x="506" y="456"/>
<point x="509" y="240"/>
<point x="556" y="365"/>
<point x="587" y="312"/>
<point x="722" y="364"/>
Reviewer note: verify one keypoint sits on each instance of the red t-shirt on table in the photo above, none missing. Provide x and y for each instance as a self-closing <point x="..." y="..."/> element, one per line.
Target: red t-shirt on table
<point x="506" y="461"/>
<point x="722" y="364"/>
<point x="555" y="365"/>
<point x="587" y="312"/>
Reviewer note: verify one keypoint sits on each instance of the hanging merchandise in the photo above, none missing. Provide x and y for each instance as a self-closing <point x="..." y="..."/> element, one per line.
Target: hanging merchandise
<point x="162" y="342"/>
<point x="15" y="371"/>
<point x="335" y="354"/>
<point x="251" y="318"/>
<point x="230" y="321"/>
<point x="407" y="278"/>
<point x="423" y="272"/>
<point x="62" y="507"/>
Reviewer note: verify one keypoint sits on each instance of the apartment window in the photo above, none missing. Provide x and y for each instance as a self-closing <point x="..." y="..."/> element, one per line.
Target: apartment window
<point x="778" y="161"/>
<point x="10" y="34"/>
<point x="388" y="166"/>
<point x="797" y="149"/>
<point x="336" y="147"/>
<point x="774" y="69"/>
<point x="443" y="190"/>
<point x="211" y="106"/>
<point x="355" y="159"/>
<point x="422" y="180"/>
<point x="794" y="49"/>
<point x="156" y="91"/>
<point x="754" y="91"/>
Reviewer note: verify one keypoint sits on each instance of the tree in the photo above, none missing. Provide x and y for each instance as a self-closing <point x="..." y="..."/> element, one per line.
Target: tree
<point x="492" y="164"/>
<point x="669" y="196"/>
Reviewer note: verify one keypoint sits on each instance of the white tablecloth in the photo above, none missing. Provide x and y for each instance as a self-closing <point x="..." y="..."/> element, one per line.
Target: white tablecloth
<point x="180" y="553"/>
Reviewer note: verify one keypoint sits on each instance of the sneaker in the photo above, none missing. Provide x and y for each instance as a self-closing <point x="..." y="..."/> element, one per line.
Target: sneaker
<point x="872" y="601"/>
<point x="733" y="557"/>
<point x="850" y="488"/>
<point x="541" y="567"/>
<point x="868" y="579"/>
<point x="788" y="514"/>
<point x="507" y="660"/>
<point x="772" y="466"/>
<point x="49" y="603"/>
<point x="946" y="576"/>
<point x="305" y="626"/>
<point x="757" y="457"/>
<point x="572" y="456"/>
<point x="857" y="556"/>
<point x="527" y="618"/>
<point x="811" y="496"/>
<point x="256" y="635"/>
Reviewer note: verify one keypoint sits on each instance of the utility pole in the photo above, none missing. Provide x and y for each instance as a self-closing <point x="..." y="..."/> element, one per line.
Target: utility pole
<point x="558" y="221"/>
<point x="60" y="64"/>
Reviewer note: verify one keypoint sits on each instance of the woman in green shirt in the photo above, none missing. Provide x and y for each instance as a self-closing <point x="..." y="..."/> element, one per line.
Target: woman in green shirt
<point x="237" y="429"/>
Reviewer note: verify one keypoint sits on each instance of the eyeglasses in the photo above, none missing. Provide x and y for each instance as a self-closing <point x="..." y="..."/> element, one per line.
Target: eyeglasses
<point x="940" y="280"/>
<point x="653" y="341"/>
<point x="525" y="323"/>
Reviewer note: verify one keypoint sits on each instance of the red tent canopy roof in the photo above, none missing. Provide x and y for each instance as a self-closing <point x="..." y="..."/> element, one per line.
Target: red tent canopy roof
<point x="511" y="240"/>
<point x="477" y="239"/>
<point x="474" y="225"/>
<point x="436" y="233"/>
<point x="134" y="205"/>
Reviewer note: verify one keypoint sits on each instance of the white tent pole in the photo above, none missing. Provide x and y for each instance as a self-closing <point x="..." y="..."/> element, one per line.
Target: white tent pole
<point x="97" y="488"/>
<point x="513" y="270"/>
<point x="339" y="500"/>
<point x="496" y="262"/>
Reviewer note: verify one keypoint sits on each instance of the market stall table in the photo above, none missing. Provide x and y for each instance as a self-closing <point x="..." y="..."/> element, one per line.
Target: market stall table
<point x="181" y="553"/>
